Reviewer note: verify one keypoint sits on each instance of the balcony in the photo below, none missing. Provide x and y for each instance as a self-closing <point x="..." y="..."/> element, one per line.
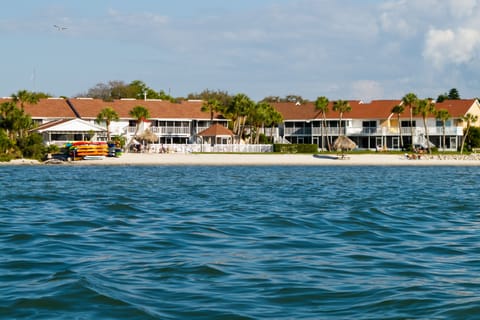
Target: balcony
<point x="316" y="131"/>
<point x="371" y="131"/>
<point x="171" y="131"/>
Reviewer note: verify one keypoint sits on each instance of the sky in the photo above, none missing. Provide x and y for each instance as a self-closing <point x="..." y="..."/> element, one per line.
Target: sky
<point x="341" y="49"/>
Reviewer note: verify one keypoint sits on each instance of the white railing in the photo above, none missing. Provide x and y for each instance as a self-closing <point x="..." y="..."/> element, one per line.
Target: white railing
<point x="171" y="130"/>
<point x="361" y="131"/>
<point x="186" y="148"/>
<point x="314" y="131"/>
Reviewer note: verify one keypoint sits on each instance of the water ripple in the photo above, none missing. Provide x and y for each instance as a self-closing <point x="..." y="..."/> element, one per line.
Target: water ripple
<point x="239" y="242"/>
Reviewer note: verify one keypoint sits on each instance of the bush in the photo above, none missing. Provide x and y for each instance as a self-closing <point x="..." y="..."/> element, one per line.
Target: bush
<point x="264" y="139"/>
<point x="32" y="147"/>
<point x="5" y="157"/>
<point x="295" y="148"/>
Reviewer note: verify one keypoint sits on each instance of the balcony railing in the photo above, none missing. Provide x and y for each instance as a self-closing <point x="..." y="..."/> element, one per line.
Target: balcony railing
<point x="171" y="130"/>
<point x="368" y="131"/>
<point x="312" y="131"/>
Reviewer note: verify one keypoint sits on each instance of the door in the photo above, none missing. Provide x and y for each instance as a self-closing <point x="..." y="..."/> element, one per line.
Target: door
<point x="395" y="143"/>
<point x="453" y="143"/>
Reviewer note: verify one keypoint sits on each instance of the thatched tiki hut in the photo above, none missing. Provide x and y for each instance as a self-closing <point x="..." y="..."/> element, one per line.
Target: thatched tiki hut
<point x="342" y="144"/>
<point x="142" y="140"/>
<point x="148" y="136"/>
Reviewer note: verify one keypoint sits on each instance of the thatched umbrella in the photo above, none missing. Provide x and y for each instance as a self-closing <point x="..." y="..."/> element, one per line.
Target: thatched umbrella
<point x="148" y="136"/>
<point x="343" y="143"/>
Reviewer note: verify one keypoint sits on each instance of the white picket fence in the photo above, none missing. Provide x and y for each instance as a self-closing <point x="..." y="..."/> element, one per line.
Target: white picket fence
<point x="186" y="148"/>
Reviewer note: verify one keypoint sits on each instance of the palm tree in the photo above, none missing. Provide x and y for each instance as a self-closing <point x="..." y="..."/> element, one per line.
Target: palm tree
<point x="238" y="110"/>
<point x="398" y="110"/>
<point x="139" y="113"/>
<point x="321" y="104"/>
<point x="24" y="96"/>
<point x="425" y="107"/>
<point x="8" y="112"/>
<point x="212" y="105"/>
<point x="443" y="115"/>
<point x="15" y="124"/>
<point x="107" y="115"/>
<point x="272" y="118"/>
<point x="341" y="106"/>
<point x="257" y="118"/>
<point x="469" y="118"/>
<point x="410" y="101"/>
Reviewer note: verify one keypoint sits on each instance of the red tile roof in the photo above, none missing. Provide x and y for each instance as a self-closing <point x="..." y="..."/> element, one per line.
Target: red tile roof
<point x="216" y="130"/>
<point x="376" y="109"/>
<point x="90" y="108"/>
<point x="380" y="109"/>
<point x="47" y="108"/>
<point x="456" y="108"/>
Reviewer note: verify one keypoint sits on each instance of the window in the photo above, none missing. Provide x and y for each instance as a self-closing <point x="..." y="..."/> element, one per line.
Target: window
<point x="369" y="124"/>
<point x="406" y="123"/>
<point x="439" y="123"/>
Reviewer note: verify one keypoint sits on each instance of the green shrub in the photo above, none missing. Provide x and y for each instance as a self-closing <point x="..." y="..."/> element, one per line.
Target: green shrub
<point x="32" y="146"/>
<point x="5" y="157"/>
<point x="295" y="148"/>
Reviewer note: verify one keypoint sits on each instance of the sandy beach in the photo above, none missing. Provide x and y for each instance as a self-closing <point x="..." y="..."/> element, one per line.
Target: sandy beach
<point x="195" y="159"/>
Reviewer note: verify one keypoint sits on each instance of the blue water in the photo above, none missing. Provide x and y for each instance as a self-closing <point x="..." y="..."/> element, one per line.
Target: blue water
<point x="239" y="242"/>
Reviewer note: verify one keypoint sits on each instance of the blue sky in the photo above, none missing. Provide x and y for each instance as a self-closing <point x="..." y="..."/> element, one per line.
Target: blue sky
<point x="345" y="49"/>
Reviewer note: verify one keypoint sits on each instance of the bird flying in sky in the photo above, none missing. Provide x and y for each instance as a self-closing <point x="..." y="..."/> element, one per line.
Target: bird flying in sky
<point x="59" y="28"/>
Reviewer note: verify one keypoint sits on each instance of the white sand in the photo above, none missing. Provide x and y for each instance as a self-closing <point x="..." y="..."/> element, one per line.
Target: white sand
<point x="267" y="159"/>
<point x="276" y="159"/>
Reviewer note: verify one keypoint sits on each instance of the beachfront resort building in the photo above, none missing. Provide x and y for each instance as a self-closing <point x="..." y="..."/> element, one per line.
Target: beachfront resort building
<point x="370" y="125"/>
<point x="373" y="125"/>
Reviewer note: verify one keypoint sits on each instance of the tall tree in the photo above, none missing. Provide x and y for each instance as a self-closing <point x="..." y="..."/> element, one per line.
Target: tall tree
<point x="221" y="96"/>
<point x="442" y="97"/>
<point x="139" y="113"/>
<point x="321" y="104"/>
<point x="294" y="98"/>
<point x="23" y="96"/>
<point x="211" y="105"/>
<point x="15" y="125"/>
<point x="274" y="118"/>
<point x="8" y="115"/>
<point x="453" y="94"/>
<point x="107" y="115"/>
<point x="425" y="107"/>
<point x="257" y="117"/>
<point x="443" y="115"/>
<point x="469" y="119"/>
<point x="341" y="106"/>
<point x="410" y="101"/>
<point x="238" y="110"/>
<point x="398" y="110"/>
<point x="117" y="89"/>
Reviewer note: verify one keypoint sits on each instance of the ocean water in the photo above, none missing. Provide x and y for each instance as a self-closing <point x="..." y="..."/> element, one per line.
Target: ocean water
<point x="231" y="242"/>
